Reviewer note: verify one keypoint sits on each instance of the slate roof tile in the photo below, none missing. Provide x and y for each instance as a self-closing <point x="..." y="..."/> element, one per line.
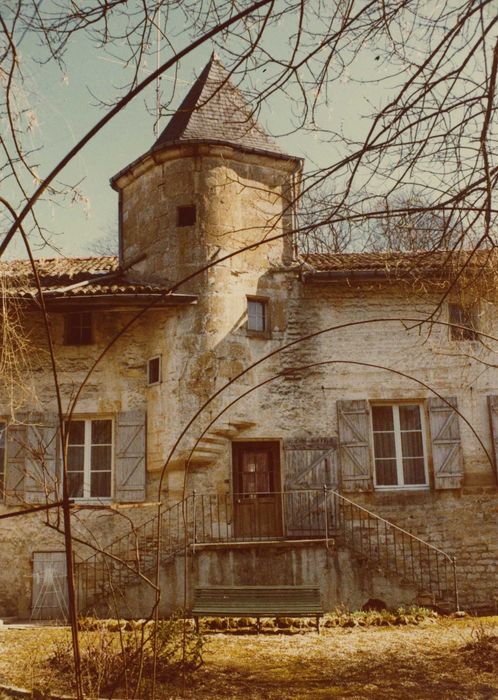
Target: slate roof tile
<point x="214" y="110"/>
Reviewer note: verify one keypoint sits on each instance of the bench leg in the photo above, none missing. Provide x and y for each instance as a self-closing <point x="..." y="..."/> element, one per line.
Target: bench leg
<point x="318" y="624"/>
<point x="197" y="624"/>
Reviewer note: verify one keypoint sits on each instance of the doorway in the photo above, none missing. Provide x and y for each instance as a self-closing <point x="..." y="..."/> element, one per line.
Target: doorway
<point x="257" y="486"/>
<point x="49" y="598"/>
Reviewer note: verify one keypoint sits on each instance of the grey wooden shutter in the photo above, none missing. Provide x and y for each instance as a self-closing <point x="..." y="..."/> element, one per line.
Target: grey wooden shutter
<point x="446" y="448"/>
<point x="130" y="456"/>
<point x="42" y="457"/>
<point x="354" y="445"/>
<point x="309" y="466"/>
<point x="493" y="419"/>
<point x="16" y="463"/>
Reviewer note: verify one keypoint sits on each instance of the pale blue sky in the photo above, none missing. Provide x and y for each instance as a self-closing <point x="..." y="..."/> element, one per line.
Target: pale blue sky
<point x="64" y="109"/>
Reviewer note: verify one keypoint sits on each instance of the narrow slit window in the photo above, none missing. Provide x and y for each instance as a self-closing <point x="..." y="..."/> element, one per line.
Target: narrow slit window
<point x="154" y="370"/>
<point x="186" y="216"/>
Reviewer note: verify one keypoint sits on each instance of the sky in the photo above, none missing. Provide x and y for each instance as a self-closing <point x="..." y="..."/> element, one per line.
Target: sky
<point x="64" y="107"/>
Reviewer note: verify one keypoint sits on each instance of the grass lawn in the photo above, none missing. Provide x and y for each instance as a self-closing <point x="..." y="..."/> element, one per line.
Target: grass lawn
<point x="437" y="659"/>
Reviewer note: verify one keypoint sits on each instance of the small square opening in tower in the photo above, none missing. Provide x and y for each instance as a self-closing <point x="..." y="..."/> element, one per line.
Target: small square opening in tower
<point x="186" y="216"/>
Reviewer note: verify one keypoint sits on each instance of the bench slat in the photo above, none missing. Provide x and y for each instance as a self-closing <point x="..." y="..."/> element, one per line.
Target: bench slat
<point x="257" y="601"/>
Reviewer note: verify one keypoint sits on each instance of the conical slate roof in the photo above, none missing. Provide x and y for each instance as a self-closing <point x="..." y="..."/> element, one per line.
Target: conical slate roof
<point x="214" y="110"/>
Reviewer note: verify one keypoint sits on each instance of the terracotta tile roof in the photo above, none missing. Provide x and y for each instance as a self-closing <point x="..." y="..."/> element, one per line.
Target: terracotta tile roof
<point x="55" y="272"/>
<point x="215" y="110"/>
<point x="76" y="278"/>
<point x="395" y="263"/>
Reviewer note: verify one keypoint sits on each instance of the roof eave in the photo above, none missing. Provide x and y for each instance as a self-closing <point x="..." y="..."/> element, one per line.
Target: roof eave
<point x="153" y="155"/>
<point x="371" y="275"/>
<point x="111" y="300"/>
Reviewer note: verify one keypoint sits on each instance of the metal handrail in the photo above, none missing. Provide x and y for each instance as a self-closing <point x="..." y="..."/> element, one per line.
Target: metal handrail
<point x="317" y="514"/>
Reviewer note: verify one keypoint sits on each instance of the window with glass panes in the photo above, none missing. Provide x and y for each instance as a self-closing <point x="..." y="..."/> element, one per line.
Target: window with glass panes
<point x="78" y="328"/>
<point x="398" y="442"/>
<point x="89" y="458"/>
<point x="3" y="428"/>
<point x="257" y="315"/>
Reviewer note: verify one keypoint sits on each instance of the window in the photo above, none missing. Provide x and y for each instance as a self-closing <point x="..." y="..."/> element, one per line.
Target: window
<point x="185" y="216"/>
<point x="398" y="443"/>
<point x="257" y="316"/>
<point x="3" y="428"/>
<point x="89" y="458"/>
<point x="462" y="316"/>
<point x="154" y="370"/>
<point x="78" y="328"/>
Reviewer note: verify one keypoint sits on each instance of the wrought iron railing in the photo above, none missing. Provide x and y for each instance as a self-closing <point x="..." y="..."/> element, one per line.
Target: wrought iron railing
<point x="395" y="550"/>
<point x="305" y="514"/>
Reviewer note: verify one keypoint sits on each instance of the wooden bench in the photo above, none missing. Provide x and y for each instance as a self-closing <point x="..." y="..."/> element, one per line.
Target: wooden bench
<point x="257" y="602"/>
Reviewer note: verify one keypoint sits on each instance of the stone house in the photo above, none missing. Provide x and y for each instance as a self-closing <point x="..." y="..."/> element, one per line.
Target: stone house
<point x="302" y="418"/>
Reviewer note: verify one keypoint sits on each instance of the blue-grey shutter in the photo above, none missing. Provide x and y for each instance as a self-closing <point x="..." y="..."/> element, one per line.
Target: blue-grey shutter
<point x="42" y="457"/>
<point x="354" y="445"/>
<point x="16" y="463"/>
<point x="130" y="457"/>
<point x="447" y="456"/>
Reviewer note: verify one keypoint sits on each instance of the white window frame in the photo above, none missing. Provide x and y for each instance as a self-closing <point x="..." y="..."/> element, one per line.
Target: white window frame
<point x="87" y="456"/>
<point x="264" y="303"/>
<point x="400" y="486"/>
<point x="159" y="373"/>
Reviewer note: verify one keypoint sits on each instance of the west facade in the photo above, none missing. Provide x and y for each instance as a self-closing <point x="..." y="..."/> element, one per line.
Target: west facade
<point x="300" y="419"/>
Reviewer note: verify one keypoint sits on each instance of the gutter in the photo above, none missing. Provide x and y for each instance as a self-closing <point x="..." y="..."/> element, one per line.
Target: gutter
<point x="114" y="300"/>
<point x="366" y="275"/>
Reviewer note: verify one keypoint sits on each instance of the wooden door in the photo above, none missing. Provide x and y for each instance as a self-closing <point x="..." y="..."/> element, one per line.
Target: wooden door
<point x="310" y="465"/>
<point x="49" y="599"/>
<point x="257" y="497"/>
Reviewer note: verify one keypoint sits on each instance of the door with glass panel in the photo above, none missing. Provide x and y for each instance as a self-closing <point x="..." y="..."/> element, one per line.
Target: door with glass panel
<point x="256" y="485"/>
<point x="399" y="449"/>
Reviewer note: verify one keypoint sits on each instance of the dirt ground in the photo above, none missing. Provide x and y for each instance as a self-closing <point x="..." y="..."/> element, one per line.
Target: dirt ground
<point x="442" y="659"/>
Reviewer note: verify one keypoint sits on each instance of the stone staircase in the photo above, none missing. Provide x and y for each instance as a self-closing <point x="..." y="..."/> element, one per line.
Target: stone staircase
<point x="214" y="443"/>
<point x="375" y="543"/>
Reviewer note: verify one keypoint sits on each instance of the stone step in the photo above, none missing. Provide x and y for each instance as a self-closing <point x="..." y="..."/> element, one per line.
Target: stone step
<point x="213" y="440"/>
<point x="242" y="424"/>
<point x="207" y="449"/>
<point x="202" y="456"/>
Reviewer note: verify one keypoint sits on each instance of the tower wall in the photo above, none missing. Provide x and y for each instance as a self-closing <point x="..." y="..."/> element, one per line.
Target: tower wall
<point x="240" y="199"/>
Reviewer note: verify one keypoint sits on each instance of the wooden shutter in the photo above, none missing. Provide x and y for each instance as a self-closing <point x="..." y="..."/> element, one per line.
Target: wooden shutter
<point x="130" y="457"/>
<point x="309" y="466"/>
<point x="446" y="448"/>
<point x="493" y="419"/>
<point x="42" y="457"/>
<point x="16" y="463"/>
<point x="354" y="445"/>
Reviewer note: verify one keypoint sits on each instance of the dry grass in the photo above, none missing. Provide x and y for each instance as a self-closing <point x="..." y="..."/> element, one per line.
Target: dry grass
<point x="436" y="659"/>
